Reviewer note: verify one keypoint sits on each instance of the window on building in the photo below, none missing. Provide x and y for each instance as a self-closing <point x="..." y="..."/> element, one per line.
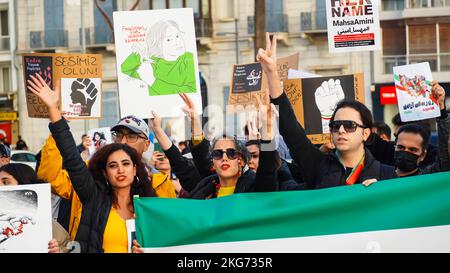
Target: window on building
<point x="5" y="79"/>
<point x="102" y="31"/>
<point x="423" y="45"/>
<point x="110" y="108"/>
<point x="276" y="20"/>
<point x="388" y="5"/>
<point x="444" y="46"/>
<point x="394" y="45"/>
<point x="201" y="7"/>
<point x="4" y="31"/>
<point x="54" y="35"/>
<point x="418" y="4"/>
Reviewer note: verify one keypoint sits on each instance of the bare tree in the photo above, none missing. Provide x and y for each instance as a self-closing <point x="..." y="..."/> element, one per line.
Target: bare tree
<point x="260" y="24"/>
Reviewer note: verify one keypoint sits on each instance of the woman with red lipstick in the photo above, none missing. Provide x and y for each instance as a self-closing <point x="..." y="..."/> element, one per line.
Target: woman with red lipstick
<point x="116" y="173"/>
<point x="228" y="157"/>
<point x="350" y="127"/>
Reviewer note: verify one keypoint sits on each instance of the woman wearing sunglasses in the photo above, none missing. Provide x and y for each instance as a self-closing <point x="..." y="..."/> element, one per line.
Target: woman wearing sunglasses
<point x="350" y="163"/>
<point x="228" y="157"/>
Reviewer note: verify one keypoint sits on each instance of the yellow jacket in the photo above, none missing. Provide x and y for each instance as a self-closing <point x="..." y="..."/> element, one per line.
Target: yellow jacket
<point x="50" y="169"/>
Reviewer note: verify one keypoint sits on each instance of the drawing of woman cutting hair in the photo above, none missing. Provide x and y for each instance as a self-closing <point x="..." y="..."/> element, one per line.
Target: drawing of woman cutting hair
<point x="165" y="66"/>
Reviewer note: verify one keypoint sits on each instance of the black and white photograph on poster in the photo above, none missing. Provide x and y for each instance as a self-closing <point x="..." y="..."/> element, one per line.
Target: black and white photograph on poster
<point x="247" y="78"/>
<point x="81" y="97"/>
<point x="25" y="218"/>
<point x="319" y="104"/>
<point x="99" y="138"/>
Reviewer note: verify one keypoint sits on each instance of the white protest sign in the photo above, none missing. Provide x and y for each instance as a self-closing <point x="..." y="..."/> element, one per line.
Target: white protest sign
<point x="156" y="54"/>
<point x="413" y="86"/>
<point x="25" y="218"/>
<point x="353" y="25"/>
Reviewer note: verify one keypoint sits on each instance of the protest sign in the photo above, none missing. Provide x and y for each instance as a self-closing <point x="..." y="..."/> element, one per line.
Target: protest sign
<point x="413" y="87"/>
<point x="80" y="79"/>
<point x="314" y="101"/>
<point x="353" y="25"/>
<point x="156" y="55"/>
<point x="100" y="137"/>
<point x="25" y="218"/>
<point x="285" y="64"/>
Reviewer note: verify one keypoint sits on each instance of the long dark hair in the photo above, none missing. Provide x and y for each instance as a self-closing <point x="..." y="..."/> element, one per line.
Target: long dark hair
<point x="24" y="174"/>
<point x="141" y="185"/>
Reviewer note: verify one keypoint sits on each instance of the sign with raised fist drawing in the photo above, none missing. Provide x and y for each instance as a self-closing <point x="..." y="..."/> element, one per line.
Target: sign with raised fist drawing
<point x="78" y="76"/>
<point x="314" y="101"/>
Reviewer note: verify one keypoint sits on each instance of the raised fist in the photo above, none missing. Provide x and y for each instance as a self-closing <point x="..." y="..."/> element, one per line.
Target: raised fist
<point x="84" y="92"/>
<point x="328" y="94"/>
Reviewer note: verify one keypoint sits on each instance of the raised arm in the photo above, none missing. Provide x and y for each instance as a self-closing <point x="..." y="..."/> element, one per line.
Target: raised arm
<point x="187" y="174"/>
<point x="200" y="145"/>
<point x="80" y="176"/>
<point x="443" y="123"/>
<point x="301" y="148"/>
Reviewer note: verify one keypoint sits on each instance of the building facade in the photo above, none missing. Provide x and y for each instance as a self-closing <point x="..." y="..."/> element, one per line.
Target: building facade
<point x="9" y="124"/>
<point x="225" y="35"/>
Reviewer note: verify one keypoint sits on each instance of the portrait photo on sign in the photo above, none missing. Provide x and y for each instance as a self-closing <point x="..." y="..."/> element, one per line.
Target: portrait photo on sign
<point x="99" y="138"/>
<point x="156" y="60"/>
<point x="23" y="218"/>
<point x="81" y="98"/>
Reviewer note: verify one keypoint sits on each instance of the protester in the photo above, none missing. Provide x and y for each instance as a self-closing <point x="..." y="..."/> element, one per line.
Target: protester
<point x="131" y="131"/>
<point x="382" y="130"/>
<point x="21" y="174"/>
<point x="350" y="125"/>
<point x="116" y="173"/>
<point x="412" y="140"/>
<point x="227" y="155"/>
<point x="164" y="173"/>
<point x="21" y="144"/>
<point x="5" y="155"/>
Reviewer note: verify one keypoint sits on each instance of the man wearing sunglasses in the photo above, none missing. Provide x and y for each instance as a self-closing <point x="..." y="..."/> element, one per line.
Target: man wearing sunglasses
<point x="350" y="163"/>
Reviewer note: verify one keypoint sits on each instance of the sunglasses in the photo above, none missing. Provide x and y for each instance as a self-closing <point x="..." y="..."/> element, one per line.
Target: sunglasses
<point x="231" y="154"/>
<point x="349" y="126"/>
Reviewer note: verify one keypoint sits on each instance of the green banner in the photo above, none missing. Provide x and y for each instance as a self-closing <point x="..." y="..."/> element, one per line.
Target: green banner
<point x="420" y="201"/>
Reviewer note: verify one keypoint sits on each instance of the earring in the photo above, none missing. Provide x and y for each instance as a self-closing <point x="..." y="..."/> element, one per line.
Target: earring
<point x="136" y="178"/>
<point x="106" y="181"/>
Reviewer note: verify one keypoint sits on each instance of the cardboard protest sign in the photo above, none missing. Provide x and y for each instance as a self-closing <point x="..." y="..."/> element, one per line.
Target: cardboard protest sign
<point x="249" y="80"/>
<point x="156" y="54"/>
<point x="285" y="64"/>
<point x="314" y="100"/>
<point x="413" y="86"/>
<point x="25" y="218"/>
<point x="99" y="137"/>
<point x="353" y="25"/>
<point x="80" y="78"/>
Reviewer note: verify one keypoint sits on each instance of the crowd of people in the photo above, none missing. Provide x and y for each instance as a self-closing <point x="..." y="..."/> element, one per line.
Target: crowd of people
<point x="95" y="191"/>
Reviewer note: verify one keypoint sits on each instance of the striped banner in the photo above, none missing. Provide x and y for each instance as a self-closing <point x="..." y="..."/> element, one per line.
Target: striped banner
<point x="402" y="215"/>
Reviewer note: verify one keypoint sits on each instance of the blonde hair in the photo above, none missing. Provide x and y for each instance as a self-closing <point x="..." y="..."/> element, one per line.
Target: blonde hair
<point x="156" y="35"/>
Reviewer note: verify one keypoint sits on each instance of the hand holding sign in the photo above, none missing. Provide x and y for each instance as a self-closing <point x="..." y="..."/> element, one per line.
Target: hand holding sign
<point x="327" y="96"/>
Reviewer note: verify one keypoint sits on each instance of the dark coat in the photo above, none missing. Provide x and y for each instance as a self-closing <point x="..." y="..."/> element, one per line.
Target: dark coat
<point x="321" y="170"/>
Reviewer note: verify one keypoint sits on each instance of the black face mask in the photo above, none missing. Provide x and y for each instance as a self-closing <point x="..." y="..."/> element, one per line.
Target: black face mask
<point x="405" y="162"/>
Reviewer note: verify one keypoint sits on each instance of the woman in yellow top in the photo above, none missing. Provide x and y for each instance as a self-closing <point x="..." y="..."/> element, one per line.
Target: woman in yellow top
<point x="116" y="173"/>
